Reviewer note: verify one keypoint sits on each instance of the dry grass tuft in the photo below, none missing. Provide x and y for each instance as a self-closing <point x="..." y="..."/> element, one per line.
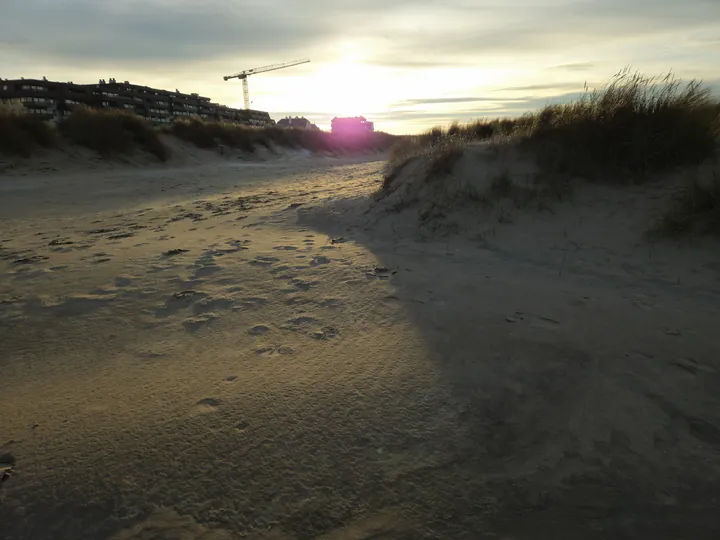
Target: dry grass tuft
<point x="443" y="159"/>
<point x="632" y="127"/>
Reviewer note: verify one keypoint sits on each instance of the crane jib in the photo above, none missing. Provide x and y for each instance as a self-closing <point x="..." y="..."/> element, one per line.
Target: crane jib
<point x="243" y="75"/>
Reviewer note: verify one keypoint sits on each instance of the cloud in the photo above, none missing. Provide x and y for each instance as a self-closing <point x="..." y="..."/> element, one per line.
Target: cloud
<point x="448" y="100"/>
<point x="417" y="34"/>
<point x="481" y="34"/>
<point x="532" y="87"/>
<point x="147" y="32"/>
<point x="512" y="108"/>
<point x="579" y="66"/>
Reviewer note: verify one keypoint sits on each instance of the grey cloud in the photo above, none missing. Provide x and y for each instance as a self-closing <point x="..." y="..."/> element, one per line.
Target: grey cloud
<point x="448" y="100"/>
<point x="181" y="31"/>
<point x="149" y="31"/>
<point x="539" y="29"/>
<point x="514" y="109"/>
<point x="533" y="87"/>
<point x="177" y="31"/>
<point x="580" y="66"/>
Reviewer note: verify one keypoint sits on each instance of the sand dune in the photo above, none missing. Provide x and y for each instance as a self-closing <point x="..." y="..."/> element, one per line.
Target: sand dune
<point x="261" y="350"/>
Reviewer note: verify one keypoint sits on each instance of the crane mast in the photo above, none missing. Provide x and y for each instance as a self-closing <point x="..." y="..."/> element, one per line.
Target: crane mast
<point x="243" y="75"/>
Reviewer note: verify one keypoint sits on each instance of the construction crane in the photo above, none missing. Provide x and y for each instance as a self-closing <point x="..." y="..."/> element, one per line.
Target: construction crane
<point x="245" y="74"/>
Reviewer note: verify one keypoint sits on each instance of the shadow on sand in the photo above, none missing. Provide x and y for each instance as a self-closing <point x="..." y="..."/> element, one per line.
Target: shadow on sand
<point x="563" y="407"/>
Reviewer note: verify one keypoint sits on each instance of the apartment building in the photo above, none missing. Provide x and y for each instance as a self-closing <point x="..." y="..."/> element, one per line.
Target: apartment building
<point x="54" y="100"/>
<point x="297" y="123"/>
<point x="351" y="125"/>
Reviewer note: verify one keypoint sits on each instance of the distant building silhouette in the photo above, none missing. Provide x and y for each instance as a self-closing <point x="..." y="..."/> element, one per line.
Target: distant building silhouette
<point x="351" y="125"/>
<point x="54" y="100"/>
<point x="297" y="122"/>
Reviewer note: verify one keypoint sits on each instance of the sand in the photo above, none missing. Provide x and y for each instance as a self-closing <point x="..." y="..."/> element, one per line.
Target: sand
<point x="231" y="349"/>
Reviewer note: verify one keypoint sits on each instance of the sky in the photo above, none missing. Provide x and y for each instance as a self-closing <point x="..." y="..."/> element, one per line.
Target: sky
<point x="407" y="65"/>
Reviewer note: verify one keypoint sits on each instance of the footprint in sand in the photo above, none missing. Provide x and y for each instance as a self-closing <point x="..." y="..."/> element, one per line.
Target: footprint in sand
<point x="206" y="406"/>
<point x="332" y="302"/>
<point x="75" y="306"/>
<point x="534" y="321"/>
<point x="299" y="324"/>
<point x="174" y="252"/>
<point x="31" y="259"/>
<point x="298" y="300"/>
<point x="380" y="272"/>
<point x="178" y="301"/>
<point x="325" y="333"/>
<point x="122" y="281"/>
<point x="236" y="245"/>
<point x="391" y="300"/>
<point x="258" y="330"/>
<point x="285" y="248"/>
<point x="263" y="261"/>
<point x="61" y="242"/>
<point x="319" y="260"/>
<point x="241" y="427"/>
<point x="304" y="285"/>
<point x="205" y="269"/>
<point x="120" y="236"/>
<point x="253" y="302"/>
<point x="230" y="379"/>
<point x="278" y="269"/>
<point x="210" y="303"/>
<point x="274" y="351"/>
<point x="193" y="324"/>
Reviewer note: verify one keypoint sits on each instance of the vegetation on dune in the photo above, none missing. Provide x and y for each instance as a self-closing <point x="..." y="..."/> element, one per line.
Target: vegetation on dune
<point x="22" y="134"/>
<point x="112" y="132"/>
<point x="633" y="126"/>
<point x="212" y="134"/>
<point x="631" y="130"/>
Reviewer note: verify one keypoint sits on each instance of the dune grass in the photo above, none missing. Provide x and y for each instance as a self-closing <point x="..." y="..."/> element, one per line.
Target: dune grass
<point x="22" y="134"/>
<point x="630" y="128"/>
<point x="211" y="134"/>
<point x="110" y="133"/>
<point x="633" y="127"/>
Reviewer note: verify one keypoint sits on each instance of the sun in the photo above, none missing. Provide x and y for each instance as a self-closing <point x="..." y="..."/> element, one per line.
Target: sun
<point x="346" y="88"/>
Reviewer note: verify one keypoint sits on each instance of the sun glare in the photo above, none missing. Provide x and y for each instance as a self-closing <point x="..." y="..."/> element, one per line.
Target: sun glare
<point x="346" y="88"/>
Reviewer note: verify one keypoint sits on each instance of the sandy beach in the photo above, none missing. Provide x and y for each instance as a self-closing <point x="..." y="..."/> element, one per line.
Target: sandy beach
<point x="222" y="349"/>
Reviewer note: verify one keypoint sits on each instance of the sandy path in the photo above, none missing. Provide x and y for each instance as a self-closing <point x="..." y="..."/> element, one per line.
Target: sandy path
<point x="269" y="382"/>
